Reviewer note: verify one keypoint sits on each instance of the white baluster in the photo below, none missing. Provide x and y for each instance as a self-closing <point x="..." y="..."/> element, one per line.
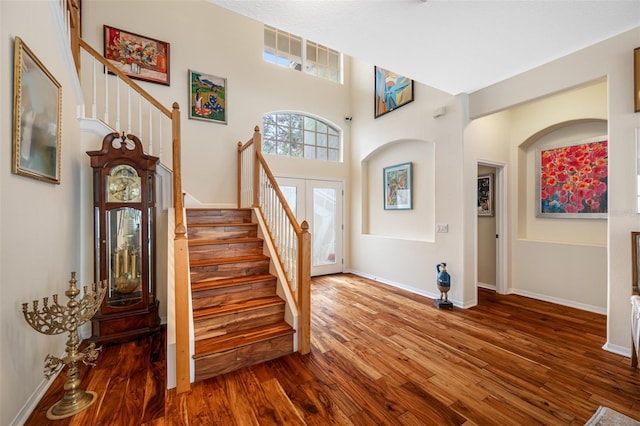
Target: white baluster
<point x="140" y="115"/>
<point x="94" y="88"/>
<point x="106" y="96"/>
<point x="129" y="110"/>
<point x="150" y="130"/>
<point x="117" y="104"/>
<point x="160" y="140"/>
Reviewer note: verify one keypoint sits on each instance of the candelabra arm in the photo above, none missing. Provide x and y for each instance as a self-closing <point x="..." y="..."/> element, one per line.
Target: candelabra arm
<point x="55" y="319"/>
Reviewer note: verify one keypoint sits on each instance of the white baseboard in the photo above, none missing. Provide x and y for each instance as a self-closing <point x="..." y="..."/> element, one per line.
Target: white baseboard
<point x="405" y="287"/>
<point x="193" y="202"/>
<point x="487" y="286"/>
<point x="620" y="350"/>
<point x="559" y="301"/>
<point x="31" y="403"/>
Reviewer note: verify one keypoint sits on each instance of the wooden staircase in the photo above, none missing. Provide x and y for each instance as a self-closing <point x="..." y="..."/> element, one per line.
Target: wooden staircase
<point x="238" y="317"/>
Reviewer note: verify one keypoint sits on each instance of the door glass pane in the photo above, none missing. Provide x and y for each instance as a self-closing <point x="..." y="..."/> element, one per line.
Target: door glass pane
<point x="291" y="195"/>
<point x="324" y="226"/>
<point x="124" y="251"/>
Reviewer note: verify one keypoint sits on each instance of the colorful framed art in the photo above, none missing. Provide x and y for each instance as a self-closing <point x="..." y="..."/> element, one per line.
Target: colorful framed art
<point x="207" y="97"/>
<point x="139" y="57"/>
<point x="397" y="187"/>
<point x="485" y="195"/>
<point x="37" y="117"/>
<point x="391" y="91"/>
<point x="572" y="180"/>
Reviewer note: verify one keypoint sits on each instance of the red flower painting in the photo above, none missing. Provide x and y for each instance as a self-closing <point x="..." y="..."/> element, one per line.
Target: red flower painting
<point x="573" y="179"/>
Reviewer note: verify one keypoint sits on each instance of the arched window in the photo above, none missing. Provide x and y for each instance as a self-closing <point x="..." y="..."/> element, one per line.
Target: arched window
<point x="298" y="135"/>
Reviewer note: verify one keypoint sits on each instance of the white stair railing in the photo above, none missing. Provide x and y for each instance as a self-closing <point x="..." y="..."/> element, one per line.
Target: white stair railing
<point x="133" y="112"/>
<point x="257" y="187"/>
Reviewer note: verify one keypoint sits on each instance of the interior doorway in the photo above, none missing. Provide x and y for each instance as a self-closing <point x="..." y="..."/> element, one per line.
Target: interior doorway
<point x="320" y="203"/>
<point x="491" y="233"/>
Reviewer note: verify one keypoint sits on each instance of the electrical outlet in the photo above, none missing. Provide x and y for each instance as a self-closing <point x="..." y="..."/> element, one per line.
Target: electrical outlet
<point x="442" y="228"/>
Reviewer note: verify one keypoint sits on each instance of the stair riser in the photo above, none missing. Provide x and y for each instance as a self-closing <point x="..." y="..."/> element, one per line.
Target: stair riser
<point x="222" y="232"/>
<point x="237" y="321"/>
<point x="229" y="270"/>
<point x="235" y="359"/>
<point x="218" y="216"/>
<point x="219" y="251"/>
<point x="233" y="294"/>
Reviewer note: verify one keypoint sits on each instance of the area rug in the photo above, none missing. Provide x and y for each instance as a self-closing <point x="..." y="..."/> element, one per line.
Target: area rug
<point x="605" y="416"/>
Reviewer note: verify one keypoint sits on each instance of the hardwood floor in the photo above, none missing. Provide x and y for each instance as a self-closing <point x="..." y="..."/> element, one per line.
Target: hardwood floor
<point x="383" y="356"/>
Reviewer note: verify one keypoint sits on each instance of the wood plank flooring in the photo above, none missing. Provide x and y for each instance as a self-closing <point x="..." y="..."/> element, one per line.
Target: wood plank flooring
<point x="383" y="356"/>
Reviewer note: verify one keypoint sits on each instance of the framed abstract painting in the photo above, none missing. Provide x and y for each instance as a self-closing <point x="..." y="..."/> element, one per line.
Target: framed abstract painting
<point x="207" y="97"/>
<point x="138" y="57"/>
<point x="37" y="117"/>
<point x="572" y="180"/>
<point x="391" y="91"/>
<point x="397" y="187"/>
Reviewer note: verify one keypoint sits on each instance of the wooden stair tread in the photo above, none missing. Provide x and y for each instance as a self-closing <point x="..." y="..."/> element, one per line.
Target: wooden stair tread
<point x="220" y="224"/>
<point x="206" y="209"/>
<point x="240" y="339"/>
<point x="228" y="282"/>
<point x="229" y="308"/>
<point x="215" y="241"/>
<point x="223" y="260"/>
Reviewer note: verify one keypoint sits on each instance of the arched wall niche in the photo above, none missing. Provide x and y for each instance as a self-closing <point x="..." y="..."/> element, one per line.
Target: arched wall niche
<point x="561" y="230"/>
<point x="417" y="223"/>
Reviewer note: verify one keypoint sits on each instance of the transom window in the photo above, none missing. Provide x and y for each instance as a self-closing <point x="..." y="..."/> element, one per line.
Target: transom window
<point x="297" y="135"/>
<point x="288" y="50"/>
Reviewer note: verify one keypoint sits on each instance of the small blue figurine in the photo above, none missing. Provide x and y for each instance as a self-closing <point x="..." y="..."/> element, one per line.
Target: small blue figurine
<point x="444" y="285"/>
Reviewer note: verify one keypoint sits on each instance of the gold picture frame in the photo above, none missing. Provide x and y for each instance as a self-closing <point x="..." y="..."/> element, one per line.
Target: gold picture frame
<point x="37" y="117"/>
<point x="636" y="79"/>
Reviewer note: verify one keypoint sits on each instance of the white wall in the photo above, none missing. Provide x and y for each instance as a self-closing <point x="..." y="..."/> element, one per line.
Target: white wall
<point x="612" y="59"/>
<point x="39" y="222"/>
<point x="381" y="247"/>
<point x="216" y="41"/>
<point x="560" y="260"/>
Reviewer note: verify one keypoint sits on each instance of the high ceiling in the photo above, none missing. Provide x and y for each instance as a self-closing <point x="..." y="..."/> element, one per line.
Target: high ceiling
<point x="453" y="45"/>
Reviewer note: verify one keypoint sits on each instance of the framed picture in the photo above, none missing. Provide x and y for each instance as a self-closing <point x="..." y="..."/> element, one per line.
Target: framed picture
<point x="636" y="79"/>
<point x="207" y="97"/>
<point x="635" y="262"/>
<point x="37" y="117"/>
<point x="397" y="187"/>
<point x="485" y="195"/>
<point x="391" y="91"/>
<point x="572" y="180"/>
<point x="139" y="57"/>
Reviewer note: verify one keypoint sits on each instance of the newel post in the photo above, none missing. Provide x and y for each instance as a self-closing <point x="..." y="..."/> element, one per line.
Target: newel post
<point x="180" y="247"/>
<point x="304" y="288"/>
<point x="239" y="171"/>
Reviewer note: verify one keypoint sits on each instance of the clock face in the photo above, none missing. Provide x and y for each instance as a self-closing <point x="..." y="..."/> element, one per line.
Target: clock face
<point x="123" y="185"/>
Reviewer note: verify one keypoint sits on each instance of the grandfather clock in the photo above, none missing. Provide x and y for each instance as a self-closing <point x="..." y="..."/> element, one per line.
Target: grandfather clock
<point x="124" y="234"/>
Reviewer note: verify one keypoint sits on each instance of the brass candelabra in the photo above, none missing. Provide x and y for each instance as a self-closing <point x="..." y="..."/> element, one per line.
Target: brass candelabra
<point x="56" y="319"/>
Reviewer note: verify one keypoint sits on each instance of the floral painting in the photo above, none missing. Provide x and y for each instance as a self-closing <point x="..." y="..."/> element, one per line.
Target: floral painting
<point x="208" y="97"/>
<point x="138" y="57"/>
<point x="391" y="91"/>
<point x="397" y="187"/>
<point x="573" y="180"/>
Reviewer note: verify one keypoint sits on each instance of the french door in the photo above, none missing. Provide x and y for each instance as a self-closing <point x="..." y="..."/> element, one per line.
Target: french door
<point x="319" y="202"/>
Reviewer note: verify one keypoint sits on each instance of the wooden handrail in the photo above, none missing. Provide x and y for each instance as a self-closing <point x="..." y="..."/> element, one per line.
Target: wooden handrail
<point x="279" y="194"/>
<point x="259" y="169"/>
<point x="153" y="101"/>
<point x="181" y="269"/>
